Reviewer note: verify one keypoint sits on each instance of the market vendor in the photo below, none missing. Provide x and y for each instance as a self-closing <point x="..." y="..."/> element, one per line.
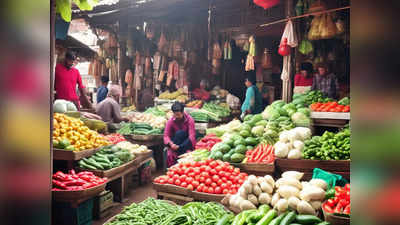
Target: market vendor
<point x="179" y="134"/>
<point x="109" y="109"/>
<point x="253" y="101"/>
<point x="303" y="81"/>
<point x="201" y="93"/>
<point x="326" y="81"/>
<point x="66" y="79"/>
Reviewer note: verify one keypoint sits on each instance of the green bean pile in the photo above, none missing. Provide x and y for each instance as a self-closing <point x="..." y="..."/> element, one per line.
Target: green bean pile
<point x="153" y="211"/>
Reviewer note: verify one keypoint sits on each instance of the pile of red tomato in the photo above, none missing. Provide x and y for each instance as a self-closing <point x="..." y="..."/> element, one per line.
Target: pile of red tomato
<point x="340" y="203"/>
<point x="209" y="176"/>
<point x="329" y="107"/>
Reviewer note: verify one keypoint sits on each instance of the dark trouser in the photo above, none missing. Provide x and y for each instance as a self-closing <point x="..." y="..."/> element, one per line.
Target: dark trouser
<point x="180" y="138"/>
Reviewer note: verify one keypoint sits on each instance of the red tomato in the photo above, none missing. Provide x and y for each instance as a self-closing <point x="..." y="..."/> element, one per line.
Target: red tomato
<point x="236" y="171"/>
<point x="202" y="179"/>
<point x="176" y="176"/>
<point x="189" y="180"/>
<point x="213" y="185"/>
<point x="225" y="191"/>
<point x="224" y="186"/>
<point x="220" y="182"/>
<point x="219" y="168"/>
<point x="221" y="173"/>
<point x="184" y="184"/>
<point x="224" y="179"/>
<point x="242" y="175"/>
<point x="211" y="190"/>
<point x="232" y="178"/>
<point x="195" y="184"/>
<point x="201" y="163"/>
<point x="230" y="168"/>
<point x="213" y="164"/>
<point x="213" y="172"/>
<point x="170" y="181"/>
<point x="232" y="192"/>
<point x="191" y="174"/>
<point x="229" y="183"/>
<point x="208" y="181"/>
<point x="163" y="181"/>
<point x="202" y="168"/>
<point x="170" y="173"/>
<point x="157" y="180"/>
<point x="240" y="181"/>
<point x="218" y="190"/>
<point x="183" y="178"/>
<point x="192" y="164"/>
<point x="196" y="171"/>
<point x="197" y="164"/>
<point x="197" y="177"/>
<point x="177" y="182"/>
<point x="204" y="174"/>
<point x="208" y="161"/>
<point x="190" y="187"/>
<point x="199" y="189"/>
<point x="228" y="175"/>
<point x="215" y="178"/>
<point x="208" y="169"/>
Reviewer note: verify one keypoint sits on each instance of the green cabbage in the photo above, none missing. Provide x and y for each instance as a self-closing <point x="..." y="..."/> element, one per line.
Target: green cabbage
<point x="300" y="119"/>
<point x="257" y="131"/>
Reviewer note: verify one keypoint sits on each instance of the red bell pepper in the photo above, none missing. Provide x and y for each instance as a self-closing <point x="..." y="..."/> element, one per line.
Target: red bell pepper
<point x="327" y="208"/>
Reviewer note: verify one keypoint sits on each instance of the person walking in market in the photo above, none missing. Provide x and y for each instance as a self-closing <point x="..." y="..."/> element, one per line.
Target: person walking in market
<point x="66" y="79"/>
<point x="102" y="91"/>
<point x="326" y="82"/>
<point x="253" y="101"/>
<point x="179" y="134"/>
<point x="109" y="109"/>
<point x="303" y="81"/>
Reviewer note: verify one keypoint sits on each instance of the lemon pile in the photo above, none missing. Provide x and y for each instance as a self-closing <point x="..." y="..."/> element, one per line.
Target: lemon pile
<point x="75" y="131"/>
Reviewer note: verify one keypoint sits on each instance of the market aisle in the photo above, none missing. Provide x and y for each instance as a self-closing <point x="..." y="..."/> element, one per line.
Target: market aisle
<point x="135" y="194"/>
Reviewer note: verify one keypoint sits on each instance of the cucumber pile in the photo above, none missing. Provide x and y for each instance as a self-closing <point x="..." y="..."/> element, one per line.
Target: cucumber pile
<point x="107" y="158"/>
<point x="138" y="129"/>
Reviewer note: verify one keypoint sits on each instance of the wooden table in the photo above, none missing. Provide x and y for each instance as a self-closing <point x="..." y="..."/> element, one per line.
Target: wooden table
<point x="328" y="119"/>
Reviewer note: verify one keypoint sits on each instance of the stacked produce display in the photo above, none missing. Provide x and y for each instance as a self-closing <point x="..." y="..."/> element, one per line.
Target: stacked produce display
<point x="148" y="118"/>
<point x="71" y="134"/>
<point x="210" y="112"/>
<point x="73" y="181"/>
<point x="107" y="158"/>
<point x="209" y="176"/>
<point x="152" y="211"/>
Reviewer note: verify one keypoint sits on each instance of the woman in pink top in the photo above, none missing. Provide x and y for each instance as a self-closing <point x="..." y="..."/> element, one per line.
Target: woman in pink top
<point x="179" y="134"/>
<point x="303" y="80"/>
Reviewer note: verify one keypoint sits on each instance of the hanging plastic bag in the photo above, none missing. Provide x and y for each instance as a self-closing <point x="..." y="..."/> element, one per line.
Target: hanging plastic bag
<point x="305" y="47"/>
<point x="329" y="30"/>
<point x="290" y="35"/>
<point x="266" y="3"/>
<point x="313" y="34"/>
<point x="284" y="48"/>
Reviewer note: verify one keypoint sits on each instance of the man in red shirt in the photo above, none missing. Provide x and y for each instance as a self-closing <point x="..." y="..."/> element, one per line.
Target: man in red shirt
<point x="66" y="79"/>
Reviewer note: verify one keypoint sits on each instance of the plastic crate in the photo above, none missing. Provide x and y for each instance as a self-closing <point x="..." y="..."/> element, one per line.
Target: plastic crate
<point x="64" y="214"/>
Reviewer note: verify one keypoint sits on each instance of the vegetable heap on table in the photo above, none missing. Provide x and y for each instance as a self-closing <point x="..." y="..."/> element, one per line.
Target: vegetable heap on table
<point x="152" y="211"/>
<point x="264" y="215"/>
<point x="138" y="129"/>
<point x="340" y="204"/>
<point x="75" y="181"/>
<point x="217" y="109"/>
<point x="148" y="118"/>
<point x="107" y="158"/>
<point x="207" y="142"/>
<point x="171" y="95"/>
<point x="115" y="138"/>
<point x="287" y="115"/>
<point x="209" y="176"/>
<point x="284" y="194"/>
<point x="329" y="146"/>
<point x="344" y="101"/>
<point x="263" y="153"/>
<point x="195" y="104"/>
<point x="71" y="134"/>
<point x="196" y="155"/>
<point x="315" y="96"/>
<point x="291" y="143"/>
<point x="134" y="149"/>
<point x="155" y="111"/>
<point x="329" y="107"/>
<point x="202" y="116"/>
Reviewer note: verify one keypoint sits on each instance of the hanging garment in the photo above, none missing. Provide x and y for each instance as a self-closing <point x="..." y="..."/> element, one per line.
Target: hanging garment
<point x="128" y="81"/>
<point x="138" y="77"/>
<point x="147" y="66"/>
<point x="157" y="61"/>
<point x="290" y="35"/>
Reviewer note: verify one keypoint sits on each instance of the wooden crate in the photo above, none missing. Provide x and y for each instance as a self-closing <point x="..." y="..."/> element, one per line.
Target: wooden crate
<point x="102" y="202"/>
<point x="61" y="154"/>
<point x="199" y="196"/>
<point x="74" y="196"/>
<point x="257" y="169"/>
<point x="173" y="189"/>
<point x="336" y="220"/>
<point x="178" y="199"/>
<point x="341" y="167"/>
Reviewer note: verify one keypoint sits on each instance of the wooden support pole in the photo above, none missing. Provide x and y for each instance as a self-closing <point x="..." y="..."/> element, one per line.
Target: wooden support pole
<point x="287" y="84"/>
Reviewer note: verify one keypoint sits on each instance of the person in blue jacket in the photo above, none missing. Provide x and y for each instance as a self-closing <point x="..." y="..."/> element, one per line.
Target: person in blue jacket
<point x="103" y="90"/>
<point x="253" y="101"/>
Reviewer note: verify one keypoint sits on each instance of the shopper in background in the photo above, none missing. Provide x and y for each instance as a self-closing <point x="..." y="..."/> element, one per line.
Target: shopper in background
<point x="66" y="79"/>
<point x="109" y="109"/>
<point x="303" y="81"/>
<point x="179" y="134"/>
<point x="253" y="100"/>
<point x="201" y="93"/>
<point x="102" y="91"/>
<point x="326" y="82"/>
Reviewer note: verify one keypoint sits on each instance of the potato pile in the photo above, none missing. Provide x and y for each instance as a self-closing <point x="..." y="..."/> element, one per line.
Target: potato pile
<point x="253" y="192"/>
<point x="304" y="197"/>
